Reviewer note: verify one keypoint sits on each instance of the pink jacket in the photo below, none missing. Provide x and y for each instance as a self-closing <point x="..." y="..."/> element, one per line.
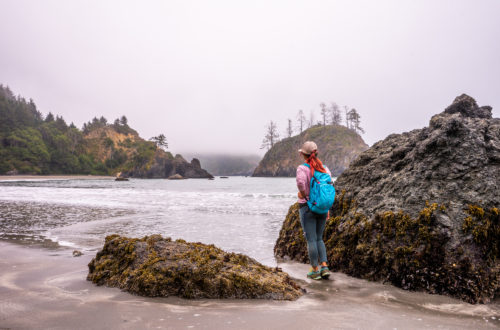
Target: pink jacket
<point x="304" y="180"/>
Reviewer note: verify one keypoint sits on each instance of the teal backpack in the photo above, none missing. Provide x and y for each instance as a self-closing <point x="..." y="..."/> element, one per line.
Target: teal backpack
<point x="321" y="192"/>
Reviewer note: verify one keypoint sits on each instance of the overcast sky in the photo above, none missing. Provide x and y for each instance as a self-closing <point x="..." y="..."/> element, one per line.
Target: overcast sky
<point x="211" y="74"/>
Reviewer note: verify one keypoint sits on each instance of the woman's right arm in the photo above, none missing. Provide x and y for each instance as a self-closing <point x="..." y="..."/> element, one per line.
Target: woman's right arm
<point x="301" y="179"/>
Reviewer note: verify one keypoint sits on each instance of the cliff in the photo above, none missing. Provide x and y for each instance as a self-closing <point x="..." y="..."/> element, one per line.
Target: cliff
<point x="420" y="209"/>
<point x="32" y="144"/>
<point x="135" y="157"/>
<point x="337" y="146"/>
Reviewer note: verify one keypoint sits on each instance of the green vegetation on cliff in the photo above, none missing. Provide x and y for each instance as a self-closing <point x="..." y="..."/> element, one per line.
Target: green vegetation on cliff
<point x="337" y="146"/>
<point x="32" y="144"/>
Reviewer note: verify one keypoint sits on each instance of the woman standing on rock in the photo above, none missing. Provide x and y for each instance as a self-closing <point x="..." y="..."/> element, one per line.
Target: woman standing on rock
<point x="313" y="224"/>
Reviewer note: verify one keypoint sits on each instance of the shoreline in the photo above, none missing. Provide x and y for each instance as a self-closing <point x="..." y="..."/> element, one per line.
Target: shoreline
<point x="42" y="288"/>
<point x="53" y="177"/>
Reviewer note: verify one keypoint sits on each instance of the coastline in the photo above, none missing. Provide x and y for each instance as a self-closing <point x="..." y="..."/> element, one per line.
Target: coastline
<point x="53" y="177"/>
<point x="47" y="288"/>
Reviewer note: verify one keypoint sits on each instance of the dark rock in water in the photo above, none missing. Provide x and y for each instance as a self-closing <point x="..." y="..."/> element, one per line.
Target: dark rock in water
<point x="121" y="179"/>
<point x="164" y="166"/>
<point x="159" y="267"/>
<point x="420" y="209"/>
<point x="224" y="177"/>
<point x="77" y="253"/>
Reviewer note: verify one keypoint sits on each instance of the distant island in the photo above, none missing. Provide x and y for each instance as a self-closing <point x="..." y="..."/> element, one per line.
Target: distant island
<point x="33" y="144"/>
<point x="337" y="146"/>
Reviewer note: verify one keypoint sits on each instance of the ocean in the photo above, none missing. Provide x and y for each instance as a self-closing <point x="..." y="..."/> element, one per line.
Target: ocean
<point x="238" y="214"/>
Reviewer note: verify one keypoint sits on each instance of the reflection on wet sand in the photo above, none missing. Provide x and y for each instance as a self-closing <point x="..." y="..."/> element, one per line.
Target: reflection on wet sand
<point x="44" y="290"/>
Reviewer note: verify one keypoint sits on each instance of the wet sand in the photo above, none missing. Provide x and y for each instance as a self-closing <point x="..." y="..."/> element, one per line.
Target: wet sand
<point x="41" y="288"/>
<point x="52" y="177"/>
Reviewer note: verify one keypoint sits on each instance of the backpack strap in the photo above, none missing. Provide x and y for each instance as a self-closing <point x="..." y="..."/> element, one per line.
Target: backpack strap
<point x="312" y="169"/>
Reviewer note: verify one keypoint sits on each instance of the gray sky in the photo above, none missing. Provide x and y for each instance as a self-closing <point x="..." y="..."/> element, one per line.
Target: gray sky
<point x="211" y="74"/>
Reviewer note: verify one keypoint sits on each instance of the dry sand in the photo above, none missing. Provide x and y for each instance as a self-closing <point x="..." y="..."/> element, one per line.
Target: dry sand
<point x="52" y="177"/>
<point x="41" y="288"/>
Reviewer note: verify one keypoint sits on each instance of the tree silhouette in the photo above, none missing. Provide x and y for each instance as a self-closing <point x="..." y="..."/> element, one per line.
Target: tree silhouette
<point x="271" y="136"/>
<point x="335" y="115"/>
<point x="124" y="121"/>
<point x="160" y="141"/>
<point x="347" y="118"/>
<point x="354" y="118"/>
<point x="310" y="123"/>
<point x="301" y="118"/>
<point x="324" y="112"/>
<point x="289" y="129"/>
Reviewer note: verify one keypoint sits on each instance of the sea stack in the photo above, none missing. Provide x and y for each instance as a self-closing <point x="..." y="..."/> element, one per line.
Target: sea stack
<point x="420" y="209"/>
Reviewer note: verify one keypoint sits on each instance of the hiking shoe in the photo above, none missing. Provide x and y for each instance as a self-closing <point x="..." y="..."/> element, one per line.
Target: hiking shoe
<point x="324" y="272"/>
<point x="315" y="275"/>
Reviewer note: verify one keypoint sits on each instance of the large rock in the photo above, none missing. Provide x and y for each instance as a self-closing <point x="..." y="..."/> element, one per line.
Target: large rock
<point x="337" y="147"/>
<point x="164" y="166"/>
<point x="420" y="209"/>
<point x="159" y="267"/>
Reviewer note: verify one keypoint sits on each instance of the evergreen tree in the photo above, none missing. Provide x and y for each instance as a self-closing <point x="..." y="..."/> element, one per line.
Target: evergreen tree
<point x="301" y="118"/>
<point x="355" y="121"/>
<point x="335" y="115"/>
<point x="271" y="136"/>
<point x="160" y="141"/>
<point x="289" y="129"/>
<point x="310" y="123"/>
<point x="347" y="118"/>
<point x="49" y="118"/>
<point x="324" y="112"/>
<point x="124" y="121"/>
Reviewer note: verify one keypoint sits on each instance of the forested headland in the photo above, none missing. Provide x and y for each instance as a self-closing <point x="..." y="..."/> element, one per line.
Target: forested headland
<point x="31" y="143"/>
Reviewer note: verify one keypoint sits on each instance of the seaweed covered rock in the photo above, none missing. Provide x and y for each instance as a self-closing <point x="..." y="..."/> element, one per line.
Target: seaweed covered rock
<point x="159" y="267"/>
<point x="420" y="209"/>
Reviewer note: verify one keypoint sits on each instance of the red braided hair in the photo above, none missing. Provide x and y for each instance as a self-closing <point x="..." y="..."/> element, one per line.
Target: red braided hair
<point x="315" y="163"/>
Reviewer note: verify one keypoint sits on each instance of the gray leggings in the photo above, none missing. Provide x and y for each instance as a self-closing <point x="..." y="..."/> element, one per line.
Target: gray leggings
<point x="313" y="225"/>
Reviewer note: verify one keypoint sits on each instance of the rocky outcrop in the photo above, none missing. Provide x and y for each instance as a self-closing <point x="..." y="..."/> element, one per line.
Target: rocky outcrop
<point x="337" y="146"/>
<point x="164" y="166"/>
<point x="159" y="267"/>
<point x="420" y="209"/>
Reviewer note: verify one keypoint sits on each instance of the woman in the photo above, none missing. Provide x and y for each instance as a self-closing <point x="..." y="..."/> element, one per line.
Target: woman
<point x="313" y="224"/>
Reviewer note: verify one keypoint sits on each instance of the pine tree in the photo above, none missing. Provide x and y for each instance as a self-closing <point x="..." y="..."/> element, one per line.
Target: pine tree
<point x="160" y="141"/>
<point x="289" y="129"/>
<point x="271" y="136"/>
<point x="301" y="118"/>
<point x="49" y="118"/>
<point x="124" y="121"/>
<point x="335" y="115"/>
<point x="324" y="112"/>
<point x="347" y="118"/>
<point x="310" y="123"/>
<point x="355" y="121"/>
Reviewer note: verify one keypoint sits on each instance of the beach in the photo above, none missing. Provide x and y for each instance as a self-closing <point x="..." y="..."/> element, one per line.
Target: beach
<point x="47" y="288"/>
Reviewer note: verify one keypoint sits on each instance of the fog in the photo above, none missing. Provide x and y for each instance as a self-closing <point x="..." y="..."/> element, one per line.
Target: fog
<point x="211" y="74"/>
